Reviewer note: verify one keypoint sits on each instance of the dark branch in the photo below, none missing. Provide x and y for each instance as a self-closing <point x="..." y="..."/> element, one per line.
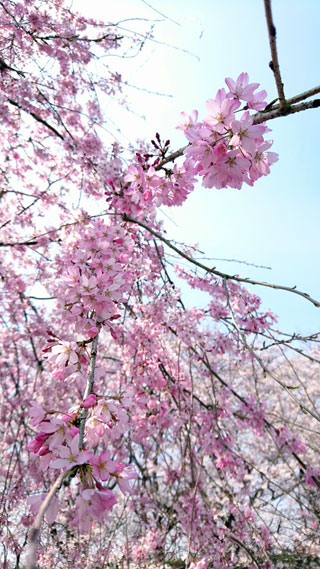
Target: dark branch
<point x="284" y="111"/>
<point x="274" y="64"/>
<point x="36" y="117"/>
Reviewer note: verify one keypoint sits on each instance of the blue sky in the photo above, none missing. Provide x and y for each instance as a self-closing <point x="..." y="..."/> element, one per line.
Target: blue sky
<point x="276" y="223"/>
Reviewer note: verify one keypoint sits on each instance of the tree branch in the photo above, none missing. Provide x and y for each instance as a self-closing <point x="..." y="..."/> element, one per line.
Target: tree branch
<point x="89" y="388"/>
<point x="35" y="532"/>
<point x="260" y="362"/>
<point x="304" y="95"/>
<point x="274" y="64"/>
<point x="36" y="117"/>
<point x="218" y="273"/>
<point x="284" y="111"/>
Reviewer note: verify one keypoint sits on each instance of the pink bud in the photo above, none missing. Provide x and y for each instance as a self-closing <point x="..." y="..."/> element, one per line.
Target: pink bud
<point x="41" y="437"/>
<point x="89" y="401"/>
<point x="92" y="332"/>
<point x="43" y="451"/>
<point x="36" y="443"/>
<point x="147" y="195"/>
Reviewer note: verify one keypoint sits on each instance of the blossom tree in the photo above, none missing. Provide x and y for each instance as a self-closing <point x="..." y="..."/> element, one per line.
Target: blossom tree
<point x="137" y="430"/>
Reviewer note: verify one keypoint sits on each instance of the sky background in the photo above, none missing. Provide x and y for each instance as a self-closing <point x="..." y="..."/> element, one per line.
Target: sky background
<point x="195" y="46"/>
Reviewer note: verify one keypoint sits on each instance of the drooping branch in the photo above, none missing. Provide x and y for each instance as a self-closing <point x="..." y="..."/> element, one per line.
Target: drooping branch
<point x="218" y="273"/>
<point x="204" y="359"/>
<point x="37" y="118"/>
<point x="261" y="363"/>
<point x="35" y="531"/>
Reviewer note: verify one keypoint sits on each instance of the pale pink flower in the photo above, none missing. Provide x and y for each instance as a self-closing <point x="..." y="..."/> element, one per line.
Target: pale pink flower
<point x="89" y="401"/>
<point x="65" y="353"/>
<point x="189" y="125"/>
<point x="95" y="431"/>
<point x="135" y="176"/>
<point x="262" y="160"/>
<point x="87" y="285"/>
<point x="72" y="278"/>
<point x="241" y="88"/>
<point x="187" y="120"/>
<point x="99" y="501"/>
<point x="93" y="504"/>
<point x="102" y="465"/>
<point x="123" y="474"/>
<point x="70" y="455"/>
<point x="34" y="502"/>
<point x="221" y="111"/>
<point x="258" y="101"/>
<point x="58" y="429"/>
<point x="37" y="414"/>
<point x="246" y="135"/>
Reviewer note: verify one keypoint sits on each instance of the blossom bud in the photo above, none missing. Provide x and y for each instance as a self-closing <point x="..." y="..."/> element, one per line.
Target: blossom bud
<point x="89" y="401"/>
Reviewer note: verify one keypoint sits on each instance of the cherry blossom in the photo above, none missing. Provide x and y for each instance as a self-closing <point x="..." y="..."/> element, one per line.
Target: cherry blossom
<point x="70" y="455"/>
<point x="109" y="374"/>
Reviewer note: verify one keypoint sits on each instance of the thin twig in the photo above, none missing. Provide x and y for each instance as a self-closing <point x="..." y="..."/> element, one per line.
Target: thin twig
<point x="89" y="388"/>
<point x="259" y="360"/>
<point x="274" y="64"/>
<point x="18" y="243"/>
<point x="171" y="157"/>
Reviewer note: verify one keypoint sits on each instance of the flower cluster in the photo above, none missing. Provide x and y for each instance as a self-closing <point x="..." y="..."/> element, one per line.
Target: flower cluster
<point x="96" y="275"/>
<point x="102" y="294"/>
<point x="58" y="446"/>
<point x="143" y="188"/>
<point x="223" y="150"/>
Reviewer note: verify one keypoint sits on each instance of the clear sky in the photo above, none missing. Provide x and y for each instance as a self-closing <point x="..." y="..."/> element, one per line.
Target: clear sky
<point x="277" y="222"/>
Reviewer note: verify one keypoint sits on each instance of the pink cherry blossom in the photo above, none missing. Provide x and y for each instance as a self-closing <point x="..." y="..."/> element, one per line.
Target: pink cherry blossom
<point x="241" y="88"/>
<point x="37" y="414"/>
<point x="102" y="465"/>
<point x="65" y="353"/>
<point x="70" y="456"/>
<point x="34" y="502"/>
<point x="221" y="111"/>
<point x="123" y="474"/>
<point x="89" y="401"/>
